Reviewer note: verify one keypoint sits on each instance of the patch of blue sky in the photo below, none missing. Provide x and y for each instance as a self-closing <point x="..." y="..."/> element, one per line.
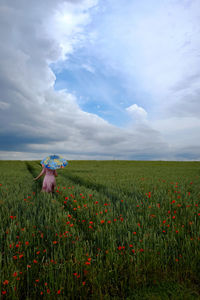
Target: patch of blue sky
<point x="98" y="89"/>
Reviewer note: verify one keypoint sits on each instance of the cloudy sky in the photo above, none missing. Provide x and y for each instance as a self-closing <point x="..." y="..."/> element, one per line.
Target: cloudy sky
<point x="100" y="79"/>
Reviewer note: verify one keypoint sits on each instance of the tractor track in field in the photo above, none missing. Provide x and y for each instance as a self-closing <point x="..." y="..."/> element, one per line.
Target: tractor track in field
<point x="37" y="185"/>
<point x="118" y="206"/>
<point x="102" y="189"/>
<point x="32" y="170"/>
<point x="95" y="186"/>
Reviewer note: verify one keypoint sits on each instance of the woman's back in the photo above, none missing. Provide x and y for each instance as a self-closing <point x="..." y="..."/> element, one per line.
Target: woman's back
<point x="49" y="182"/>
<point x="49" y="172"/>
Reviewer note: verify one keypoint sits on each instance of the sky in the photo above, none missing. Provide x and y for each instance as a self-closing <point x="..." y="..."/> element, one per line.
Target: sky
<point x="100" y="79"/>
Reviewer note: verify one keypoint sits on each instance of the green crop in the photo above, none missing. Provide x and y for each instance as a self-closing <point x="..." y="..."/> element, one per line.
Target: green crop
<point x="111" y="230"/>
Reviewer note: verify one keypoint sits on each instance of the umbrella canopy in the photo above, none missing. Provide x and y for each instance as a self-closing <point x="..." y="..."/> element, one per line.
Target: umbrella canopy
<point x="54" y="162"/>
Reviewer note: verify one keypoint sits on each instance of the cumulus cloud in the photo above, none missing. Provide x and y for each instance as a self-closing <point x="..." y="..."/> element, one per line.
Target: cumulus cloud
<point x="138" y="113"/>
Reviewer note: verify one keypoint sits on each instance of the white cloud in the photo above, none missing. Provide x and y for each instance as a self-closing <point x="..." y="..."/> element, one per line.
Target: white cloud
<point x="179" y="132"/>
<point x="138" y="113"/>
<point x="67" y="25"/>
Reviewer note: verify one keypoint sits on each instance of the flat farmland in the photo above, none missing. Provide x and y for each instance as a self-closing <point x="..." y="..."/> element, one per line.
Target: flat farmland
<point x="111" y="230"/>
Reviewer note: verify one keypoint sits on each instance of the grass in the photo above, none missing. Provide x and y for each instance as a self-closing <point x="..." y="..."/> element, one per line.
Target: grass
<point x="112" y="230"/>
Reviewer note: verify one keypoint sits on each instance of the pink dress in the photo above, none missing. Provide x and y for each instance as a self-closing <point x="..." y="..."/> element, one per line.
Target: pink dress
<point x="49" y="181"/>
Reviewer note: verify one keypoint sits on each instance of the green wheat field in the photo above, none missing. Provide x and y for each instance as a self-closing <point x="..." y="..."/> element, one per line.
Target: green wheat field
<point x="111" y="230"/>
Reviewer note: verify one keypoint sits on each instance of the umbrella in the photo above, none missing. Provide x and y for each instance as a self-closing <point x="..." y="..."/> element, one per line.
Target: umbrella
<point x="54" y="162"/>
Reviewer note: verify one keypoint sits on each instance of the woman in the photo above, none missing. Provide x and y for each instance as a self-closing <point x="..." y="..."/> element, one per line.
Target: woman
<point x="49" y="181"/>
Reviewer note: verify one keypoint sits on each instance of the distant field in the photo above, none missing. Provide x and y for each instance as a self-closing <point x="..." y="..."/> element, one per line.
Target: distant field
<point x="113" y="230"/>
